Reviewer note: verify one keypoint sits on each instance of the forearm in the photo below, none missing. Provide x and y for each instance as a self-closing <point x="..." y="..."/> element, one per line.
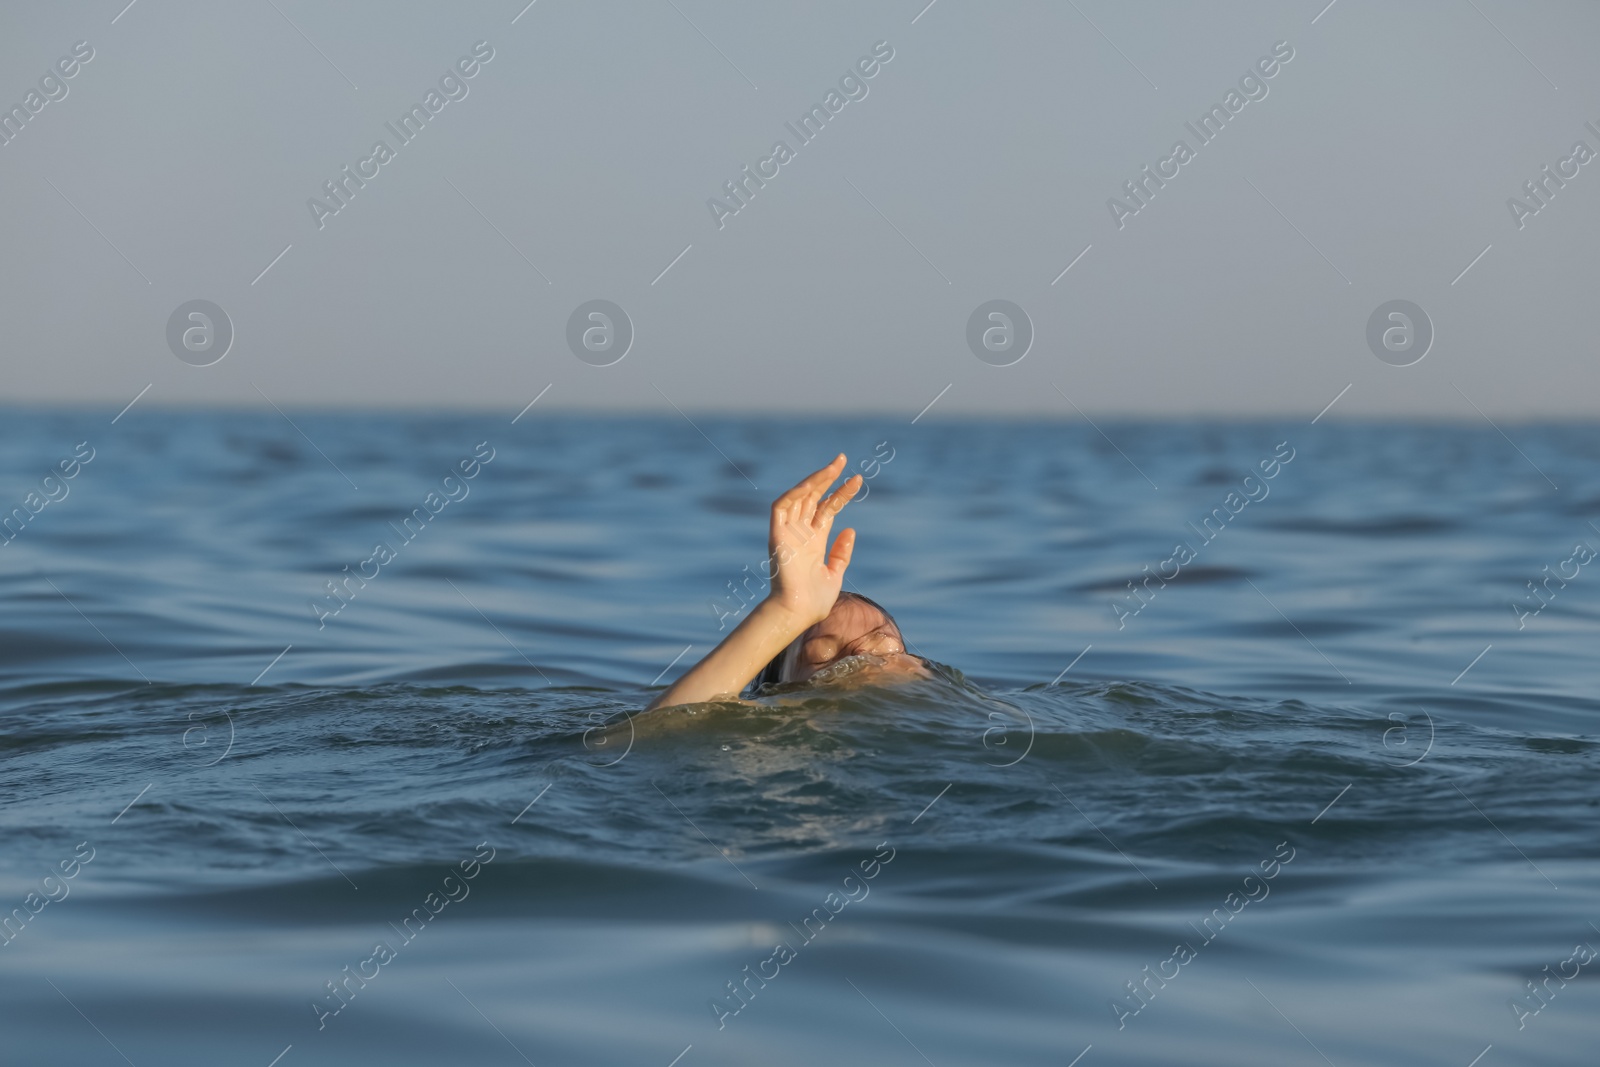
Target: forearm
<point x="764" y="633"/>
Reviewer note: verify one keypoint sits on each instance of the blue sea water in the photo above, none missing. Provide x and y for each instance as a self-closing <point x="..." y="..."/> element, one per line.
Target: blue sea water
<point x="1326" y="795"/>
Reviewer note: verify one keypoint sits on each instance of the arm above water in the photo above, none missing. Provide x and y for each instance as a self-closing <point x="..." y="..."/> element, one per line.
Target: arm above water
<point x="805" y="583"/>
<point x="765" y="632"/>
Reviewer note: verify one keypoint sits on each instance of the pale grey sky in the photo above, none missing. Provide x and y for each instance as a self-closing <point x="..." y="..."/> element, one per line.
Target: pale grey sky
<point x="977" y="165"/>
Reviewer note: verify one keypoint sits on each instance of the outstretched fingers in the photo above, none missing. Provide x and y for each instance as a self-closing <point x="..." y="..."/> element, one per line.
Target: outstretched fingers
<point x="801" y="501"/>
<point x="814" y="483"/>
<point x="839" y="558"/>
<point x="838" y="499"/>
<point x="818" y="479"/>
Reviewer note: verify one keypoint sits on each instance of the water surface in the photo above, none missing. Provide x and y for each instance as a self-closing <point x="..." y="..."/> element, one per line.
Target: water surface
<point x="1335" y="691"/>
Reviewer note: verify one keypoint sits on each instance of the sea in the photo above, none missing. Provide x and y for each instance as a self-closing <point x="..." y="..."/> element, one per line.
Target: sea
<point x="322" y="741"/>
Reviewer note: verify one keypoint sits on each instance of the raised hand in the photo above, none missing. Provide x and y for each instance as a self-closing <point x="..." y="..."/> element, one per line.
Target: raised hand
<point x="806" y="576"/>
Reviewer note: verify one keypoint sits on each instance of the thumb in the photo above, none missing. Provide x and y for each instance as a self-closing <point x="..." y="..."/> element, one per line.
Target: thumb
<point x="839" y="558"/>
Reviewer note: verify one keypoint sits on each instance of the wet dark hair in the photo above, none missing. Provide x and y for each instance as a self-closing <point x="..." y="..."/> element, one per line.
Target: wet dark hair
<point x="772" y="673"/>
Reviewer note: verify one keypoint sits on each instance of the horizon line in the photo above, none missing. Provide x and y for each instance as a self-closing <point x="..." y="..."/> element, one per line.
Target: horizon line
<point x="753" y="412"/>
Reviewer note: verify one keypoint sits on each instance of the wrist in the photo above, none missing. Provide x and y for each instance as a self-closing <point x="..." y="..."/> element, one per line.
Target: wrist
<point x="784" y="619"/>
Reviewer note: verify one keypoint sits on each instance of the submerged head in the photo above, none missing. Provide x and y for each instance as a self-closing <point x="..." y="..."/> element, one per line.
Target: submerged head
<point x="856" y="627"/>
